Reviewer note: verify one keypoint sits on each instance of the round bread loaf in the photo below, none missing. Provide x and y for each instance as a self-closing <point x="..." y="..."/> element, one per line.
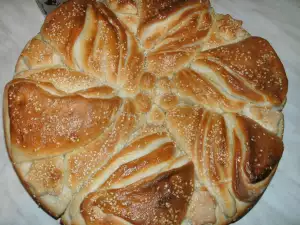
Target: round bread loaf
<point x="150" y="112"/>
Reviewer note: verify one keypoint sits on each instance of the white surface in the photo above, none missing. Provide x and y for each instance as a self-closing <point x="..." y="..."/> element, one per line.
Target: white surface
<point x="276" y="20"/>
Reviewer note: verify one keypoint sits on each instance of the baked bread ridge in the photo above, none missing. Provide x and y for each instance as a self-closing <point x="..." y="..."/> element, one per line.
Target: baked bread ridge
<point x="145" y="112"/>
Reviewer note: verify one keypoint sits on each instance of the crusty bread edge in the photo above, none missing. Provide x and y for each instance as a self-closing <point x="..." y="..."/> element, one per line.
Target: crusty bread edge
<point x="6" y="126"/>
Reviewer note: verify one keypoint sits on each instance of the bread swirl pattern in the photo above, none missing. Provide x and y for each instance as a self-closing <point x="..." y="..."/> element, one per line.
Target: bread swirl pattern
<point x="145" y="112"/>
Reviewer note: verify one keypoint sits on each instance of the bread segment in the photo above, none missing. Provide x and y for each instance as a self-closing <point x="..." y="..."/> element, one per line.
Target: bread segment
<point x="44" y="123"/>
<point x="37" y="54"/>
<point x="255" y="62"/>
<point x="82" y="163"/>
<point x="234" y="157"/>
<point x="161" y="199"/>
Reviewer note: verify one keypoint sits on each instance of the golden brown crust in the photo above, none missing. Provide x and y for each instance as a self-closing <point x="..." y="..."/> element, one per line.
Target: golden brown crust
<point x="228" y="164"/>
<point x="82" y="163"/>
<point x="143" y="102"/>
<point x="168" y="101"/>
<point x="147" y="81"/>
<point x="46" y="176"/>
<point x="62" y="27"/>
<point x="159" y="200"/>
<point x="158" y="13"/>
<point x="37" y="54"/>
<point x="270" y="119"/>
<point x="232" y="84"/>
<point x="225" y="30"/>
<point x="175" y="47"/>
<point x="264" y="150"/>
<point x="202" y="91"/>
<point x="156" y="115"/>
<point x="60" y="123"/>
<point x="165" y="63"/>
<point x="201" y="208"/>
<point x="256" y="62"/>
<point x="145" y="112"/>
<point x="163" y="153"/>
<point x="54" y="210"/>
<point x="123" y="6"/>
<point x="63" y="79"/>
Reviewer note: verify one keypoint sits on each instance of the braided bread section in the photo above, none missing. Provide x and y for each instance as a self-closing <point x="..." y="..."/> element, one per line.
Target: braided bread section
<point x="145" y="112"/>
